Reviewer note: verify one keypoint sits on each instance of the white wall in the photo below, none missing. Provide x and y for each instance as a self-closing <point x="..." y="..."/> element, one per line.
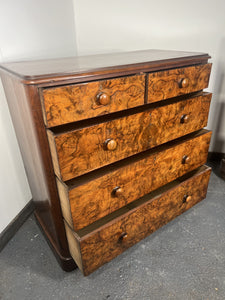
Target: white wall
<point x="194" y="25"/>
<point x="14" y="189"/>
<point x="29" y="29"/>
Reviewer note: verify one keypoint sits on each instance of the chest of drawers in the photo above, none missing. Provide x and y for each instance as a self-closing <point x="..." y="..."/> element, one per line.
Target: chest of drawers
<point x="113" y="146"/>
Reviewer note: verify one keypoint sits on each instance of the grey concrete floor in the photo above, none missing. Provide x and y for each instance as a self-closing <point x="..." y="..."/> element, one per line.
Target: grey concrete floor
<point x="183" y="260"/>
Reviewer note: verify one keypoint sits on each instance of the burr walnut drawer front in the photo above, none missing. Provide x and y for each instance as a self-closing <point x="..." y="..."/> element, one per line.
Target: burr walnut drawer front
<point x="65" y="104"/>
<point x="85" y="200"/>
<point x="82" y="150"/>
<point x="110" y="236"/>
<point x="171" y="83"/>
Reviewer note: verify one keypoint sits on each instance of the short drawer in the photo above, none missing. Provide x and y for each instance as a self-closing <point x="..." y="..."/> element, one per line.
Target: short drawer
<point x="65" y="104"/>
<point x="90" y="198"/>
<point x="104" y="240"/>
<point x="171" y="83"/>
<point x="83" y="150"/>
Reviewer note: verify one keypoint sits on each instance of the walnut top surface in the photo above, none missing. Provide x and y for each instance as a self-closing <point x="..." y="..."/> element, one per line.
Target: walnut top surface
<point x="38" y="70"/>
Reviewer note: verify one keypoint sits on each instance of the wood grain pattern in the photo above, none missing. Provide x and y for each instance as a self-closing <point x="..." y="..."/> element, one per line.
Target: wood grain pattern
<point x="104" y="243"/>
<point x="62" y="105"/>
<point x="95" y="199"/>
<point x="116" y="184"/>
<point x="83" y="150"/>
<point x="168" y="84"/>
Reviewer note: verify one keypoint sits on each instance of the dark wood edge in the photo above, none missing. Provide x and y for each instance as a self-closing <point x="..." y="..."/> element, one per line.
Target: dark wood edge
<point x="15" y="224"/>
<point x="66" y="263"/>
<point x="107" y="72"/>
<point x="49" y="210"/>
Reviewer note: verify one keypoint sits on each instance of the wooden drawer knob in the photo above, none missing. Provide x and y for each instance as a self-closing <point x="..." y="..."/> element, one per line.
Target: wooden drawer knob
<point x="110" y="144"/>
<point x="184" y="83"/>
<point x="103" y="99"/>
<point x="184" y="119"/>
<point x="187" y="198"/>
<point x="185" y="159"/>
<point x="117" y="191"/>
<point x="123" y="237"/>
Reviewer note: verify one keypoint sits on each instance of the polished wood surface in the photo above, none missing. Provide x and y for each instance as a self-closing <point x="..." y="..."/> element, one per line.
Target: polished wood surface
<point x="184" y="118"/>
<point x="110" y="144"/>
<point x="120" y="138"/>
<point x="99" y="245"/>
<point x="81" y="101"/>
<point x="171" y="83"/>
<point x="93" y="144"/>
<point x="83" y="68"/>
<point x="187" y="198"/>
<point x="103" y="98"/>
<point x="186" y="159"/>
<point x="117" y="191"/>
<point x="184" y="82"/>
<point x="95" y="199"/>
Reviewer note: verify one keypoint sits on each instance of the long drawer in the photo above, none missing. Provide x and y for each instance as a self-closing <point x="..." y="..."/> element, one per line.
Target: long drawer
<point x="84" y="202"/>
<point x="83" y="150"/>
<point x="104" y="240"/>
<point x="171" y="83"/>
<point x="65" y="104"/>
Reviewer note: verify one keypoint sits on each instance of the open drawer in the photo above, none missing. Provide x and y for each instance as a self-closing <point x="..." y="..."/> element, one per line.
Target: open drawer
<point x="108" y="237"/>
